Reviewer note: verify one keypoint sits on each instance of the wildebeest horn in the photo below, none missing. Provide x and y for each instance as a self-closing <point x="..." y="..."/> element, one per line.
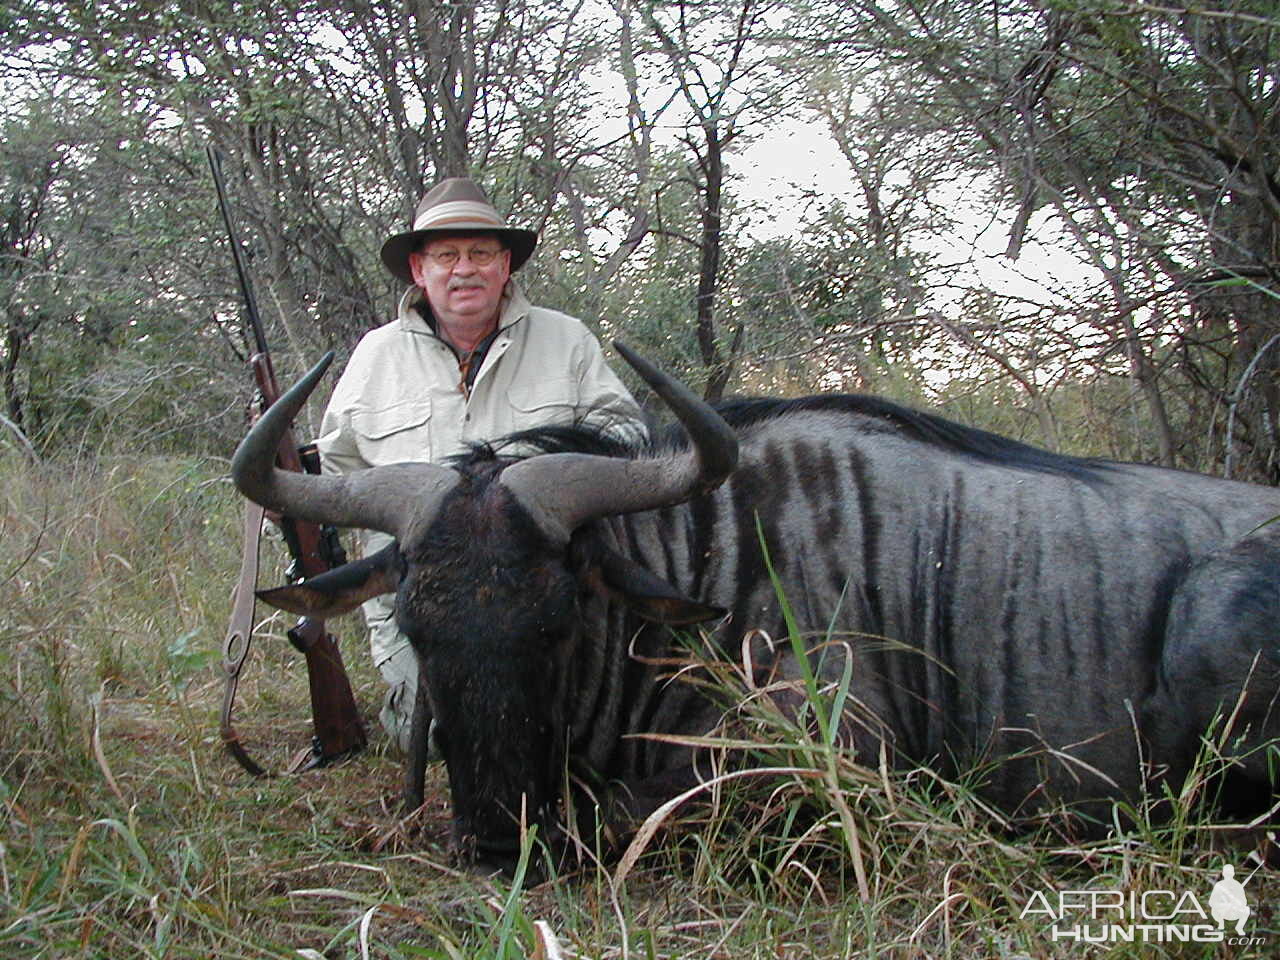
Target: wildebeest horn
<point x="387" y="498"/>
<point x="565" y="490"/>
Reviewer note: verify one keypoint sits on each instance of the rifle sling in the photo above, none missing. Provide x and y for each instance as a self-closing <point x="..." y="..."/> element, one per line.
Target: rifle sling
<point x="335" y="734"/>
<point x="235" y="648"/>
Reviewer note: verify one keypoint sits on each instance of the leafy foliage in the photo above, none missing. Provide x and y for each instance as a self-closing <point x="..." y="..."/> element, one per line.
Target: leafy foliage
<point x="1137" y="142"/>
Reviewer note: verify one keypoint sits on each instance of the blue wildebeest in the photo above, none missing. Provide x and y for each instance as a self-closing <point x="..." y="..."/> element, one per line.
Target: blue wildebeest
<point x="1090" y="617"/>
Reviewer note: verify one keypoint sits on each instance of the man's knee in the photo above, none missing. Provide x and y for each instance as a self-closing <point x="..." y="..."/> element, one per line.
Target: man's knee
<point x="396" y="715"/>
<point x="400" y="671"/>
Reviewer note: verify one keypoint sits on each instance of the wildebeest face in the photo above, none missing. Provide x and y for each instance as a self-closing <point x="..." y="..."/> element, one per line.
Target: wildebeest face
<point x="485" y="588"/>
<point x="495" y="609"/>
<point x="489" y="605"/>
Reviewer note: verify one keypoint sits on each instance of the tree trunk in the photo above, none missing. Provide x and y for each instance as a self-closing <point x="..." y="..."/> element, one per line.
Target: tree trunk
<point x="718" y="367"/>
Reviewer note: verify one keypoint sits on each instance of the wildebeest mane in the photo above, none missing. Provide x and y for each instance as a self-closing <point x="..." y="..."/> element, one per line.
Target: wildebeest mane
<point x="926" y="428"/>
<point x="580" y="437"/>
<point x="879" y="414"/>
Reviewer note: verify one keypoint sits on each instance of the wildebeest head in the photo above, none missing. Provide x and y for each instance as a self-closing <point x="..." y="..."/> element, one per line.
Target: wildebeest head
<point x="487" y="587"/>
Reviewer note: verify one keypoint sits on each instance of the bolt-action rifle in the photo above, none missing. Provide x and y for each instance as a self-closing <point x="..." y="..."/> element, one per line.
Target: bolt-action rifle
<point x="314" y="549"/>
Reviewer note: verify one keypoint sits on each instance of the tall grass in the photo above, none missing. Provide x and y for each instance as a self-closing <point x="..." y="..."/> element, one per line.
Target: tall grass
<point x="128" y="833"/>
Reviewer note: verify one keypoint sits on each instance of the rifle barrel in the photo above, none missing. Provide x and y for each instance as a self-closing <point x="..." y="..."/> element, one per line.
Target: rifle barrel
<point x="237" y="252"/>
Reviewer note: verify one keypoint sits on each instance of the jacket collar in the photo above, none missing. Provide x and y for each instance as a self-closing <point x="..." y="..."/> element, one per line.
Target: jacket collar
<point x="413" y="309"/>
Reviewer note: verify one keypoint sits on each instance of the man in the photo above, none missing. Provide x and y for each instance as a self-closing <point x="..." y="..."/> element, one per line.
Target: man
<point x="466" y="359"/>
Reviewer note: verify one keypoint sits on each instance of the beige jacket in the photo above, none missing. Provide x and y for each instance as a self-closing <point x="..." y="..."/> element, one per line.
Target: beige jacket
<point x="399" y="400"/>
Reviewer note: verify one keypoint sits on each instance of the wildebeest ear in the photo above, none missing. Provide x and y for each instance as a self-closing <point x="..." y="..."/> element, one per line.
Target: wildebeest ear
<point x="647" y="595"/>
<point x="343" y="588"/>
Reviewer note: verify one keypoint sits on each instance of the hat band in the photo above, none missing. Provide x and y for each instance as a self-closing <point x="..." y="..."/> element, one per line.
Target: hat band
<point x="459" y="212"/>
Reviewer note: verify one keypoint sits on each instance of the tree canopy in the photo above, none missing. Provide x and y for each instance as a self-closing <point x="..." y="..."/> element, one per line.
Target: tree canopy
<point x="1128" y="152"/>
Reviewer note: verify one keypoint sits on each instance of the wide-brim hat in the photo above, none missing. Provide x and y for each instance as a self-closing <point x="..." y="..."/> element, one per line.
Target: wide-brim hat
<point x="455" y="205"/>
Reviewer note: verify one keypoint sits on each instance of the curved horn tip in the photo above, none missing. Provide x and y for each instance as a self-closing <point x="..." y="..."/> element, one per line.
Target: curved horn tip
<point x="715" y="441"/>
<point x="254" y="459"/>
<point x="320" y="367"/>
<point x="637" y="362"/>
<point x="665" y="386"/>
<point x="297" y="394"/>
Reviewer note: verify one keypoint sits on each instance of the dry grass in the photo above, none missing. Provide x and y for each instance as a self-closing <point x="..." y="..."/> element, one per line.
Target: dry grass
<point x="128" y="832"/>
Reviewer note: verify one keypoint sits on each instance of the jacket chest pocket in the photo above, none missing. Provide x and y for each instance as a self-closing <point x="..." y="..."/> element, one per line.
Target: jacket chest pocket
<point x="394" y="434"/>
<point x="547" y="402"/>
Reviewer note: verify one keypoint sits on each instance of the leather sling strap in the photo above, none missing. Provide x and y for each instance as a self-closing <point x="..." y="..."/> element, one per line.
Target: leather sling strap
<point x="235" y="648"/>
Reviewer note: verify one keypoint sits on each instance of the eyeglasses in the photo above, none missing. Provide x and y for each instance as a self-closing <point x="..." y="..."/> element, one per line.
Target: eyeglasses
<point x="449" y="257"/>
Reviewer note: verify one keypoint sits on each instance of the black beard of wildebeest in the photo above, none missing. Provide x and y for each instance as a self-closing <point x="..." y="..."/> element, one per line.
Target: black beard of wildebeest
<point x="1084" y="621"/>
